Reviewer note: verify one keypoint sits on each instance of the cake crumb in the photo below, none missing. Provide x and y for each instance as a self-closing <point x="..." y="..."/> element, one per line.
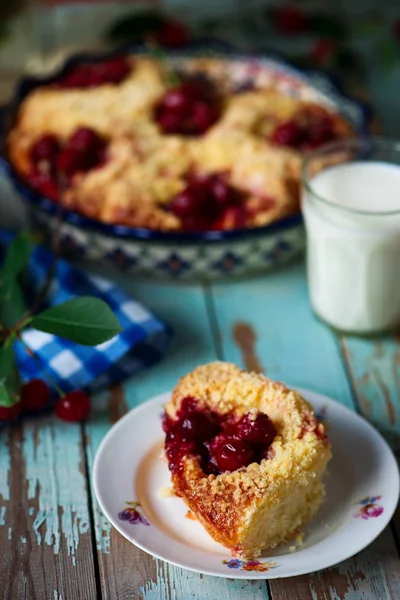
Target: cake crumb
<point x="189" y="515"/>
<point x="166" y="491"/>
<point x="292" y="548"/>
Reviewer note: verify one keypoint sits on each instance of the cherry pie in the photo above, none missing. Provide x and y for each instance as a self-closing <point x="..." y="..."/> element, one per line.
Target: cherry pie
<point x="130" y="148"/>
<point x="246" y="455"/>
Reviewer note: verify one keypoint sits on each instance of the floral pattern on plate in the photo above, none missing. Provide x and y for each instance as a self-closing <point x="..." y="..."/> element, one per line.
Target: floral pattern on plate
<point x="132" y="514"/>
<point x="370" y="508"/>
<point x="249" y="565"/>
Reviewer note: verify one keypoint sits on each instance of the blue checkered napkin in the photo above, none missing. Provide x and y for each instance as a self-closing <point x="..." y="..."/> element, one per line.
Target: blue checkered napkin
<point x="143" y="341"/>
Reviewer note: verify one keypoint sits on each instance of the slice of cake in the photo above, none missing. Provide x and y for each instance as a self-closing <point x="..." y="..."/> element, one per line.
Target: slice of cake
<point x="247" y="456"/>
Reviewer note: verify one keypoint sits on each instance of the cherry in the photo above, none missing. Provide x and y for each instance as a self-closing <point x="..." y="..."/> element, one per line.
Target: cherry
<point x="172" y="34"/>
<point x="177" y="101"/>
<point x="78" y="78"/>
<point x="73" y="407"/>
<point x="69" y="161"/>
<point x="35" y="394"/>
<point x="259" y="431"/>
<point x="204" y="115"/>
<point x="231" y="454"/>
<point x="176" y="451"/>
<point x="9" y="413"/>
<point x="116" y="69"/>
<point x="45" y="183"/>
<point x="189" y="201"/>
<point x="46" y="149"/>
<point x="112" y="71"/>
<point x="85" y="139"/>
<point x="189" y="109"/>
<point x="289" y="133"/>
<point x="170" y="122"/>
<point x="320" y="131"/>
<point x="196" y="426"/>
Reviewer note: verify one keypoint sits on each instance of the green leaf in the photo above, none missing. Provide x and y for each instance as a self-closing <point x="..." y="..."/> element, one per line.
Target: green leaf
<point x="12" y="303"/>
<point x="85" y="320"/>
<point x="17" y="257"/>
<point x="10" y="388"/>
<point x="6" y="360"/>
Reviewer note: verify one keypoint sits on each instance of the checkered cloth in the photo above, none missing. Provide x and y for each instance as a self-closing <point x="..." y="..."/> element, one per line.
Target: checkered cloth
<point x="143" y="341"/>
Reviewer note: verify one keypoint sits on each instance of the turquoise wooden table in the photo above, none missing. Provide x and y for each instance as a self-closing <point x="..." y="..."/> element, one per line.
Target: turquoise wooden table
<point x="56" y="544"/>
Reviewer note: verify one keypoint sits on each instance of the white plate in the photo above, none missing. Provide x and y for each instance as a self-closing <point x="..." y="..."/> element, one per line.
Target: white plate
<point x="362" y="494"/>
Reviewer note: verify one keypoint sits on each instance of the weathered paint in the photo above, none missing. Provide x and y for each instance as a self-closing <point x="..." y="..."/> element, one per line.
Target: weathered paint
<point x="177" y="584"/>
<point x="56" y="485"/>
<point x="3" y="510"/>
<point x="5" y="463"/>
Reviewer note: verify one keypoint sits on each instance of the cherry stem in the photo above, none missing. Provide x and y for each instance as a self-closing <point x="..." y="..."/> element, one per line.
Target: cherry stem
<point x="43" y="367"/>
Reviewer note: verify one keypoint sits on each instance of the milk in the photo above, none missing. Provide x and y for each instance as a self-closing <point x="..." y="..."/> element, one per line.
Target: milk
<point x="352" y="218"/>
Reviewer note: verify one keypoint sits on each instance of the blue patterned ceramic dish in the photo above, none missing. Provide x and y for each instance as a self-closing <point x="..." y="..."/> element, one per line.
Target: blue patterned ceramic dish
<point x="205" y="255"/>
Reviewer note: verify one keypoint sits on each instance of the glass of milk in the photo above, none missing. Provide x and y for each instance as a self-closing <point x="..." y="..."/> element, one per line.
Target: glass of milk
<point x="351" y="208"/>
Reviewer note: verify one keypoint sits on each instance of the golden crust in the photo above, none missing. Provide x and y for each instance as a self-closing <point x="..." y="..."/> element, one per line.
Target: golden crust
<point x="263" y="504"/>
<point x="146" y="169"/>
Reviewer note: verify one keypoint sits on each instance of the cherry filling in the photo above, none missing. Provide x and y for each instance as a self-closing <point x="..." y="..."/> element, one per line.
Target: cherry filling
<point x="209" y="202"/>
<point x="83" y="151"/>
<point x="305" y="134"/>
<point x="223" y="443"/>
<point x="112" y="71"/>
<point x="189" y="109"/>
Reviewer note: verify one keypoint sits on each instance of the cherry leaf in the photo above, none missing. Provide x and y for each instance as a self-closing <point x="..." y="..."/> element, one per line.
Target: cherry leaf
<point x="6" y="360"/>
<point x="10" y="388"/>
<point x="16" y="258"/>
<point x="85" y="320"/>
<point x="12" y="303"/>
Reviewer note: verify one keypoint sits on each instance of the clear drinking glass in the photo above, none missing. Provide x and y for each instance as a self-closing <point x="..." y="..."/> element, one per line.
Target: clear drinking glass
<point x="351" y="208"/>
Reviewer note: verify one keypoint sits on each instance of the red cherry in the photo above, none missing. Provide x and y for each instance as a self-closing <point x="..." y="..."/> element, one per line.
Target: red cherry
<point x="45" y="148"/>
<point x="69" y="161"/>
<point x="188" y="202"/>
<point x="86" y="139"/>
<point x="196" y="223"/>
<point x="231" y="454"/>
<point x="196" y="426"/>
<point x="35" y="394"/>
<point x="9" y="413"/>
<point x="78" y="78"/>
<point x="173" y="34"/>
<point x="259" y="431"/>
<point x="289" y="133"/>
<point x="320" y="131"/>
<point x="290" y="20"/>
<point x="73" y="407"/>
<point x="116" y="69"/>
<point x="224" y="194"/>
<point x="177" y="101"/>
<point x="170" y="122"/>
<point x="204" y="115"/>
<point x="45" y="183"/>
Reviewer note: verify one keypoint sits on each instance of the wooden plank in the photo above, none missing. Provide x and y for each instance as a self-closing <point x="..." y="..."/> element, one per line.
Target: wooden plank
<point x="374" y="368"/>
<point x="125" y="571"/>
<point x="268" y="322"/>
<point x="45" y="532"/>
